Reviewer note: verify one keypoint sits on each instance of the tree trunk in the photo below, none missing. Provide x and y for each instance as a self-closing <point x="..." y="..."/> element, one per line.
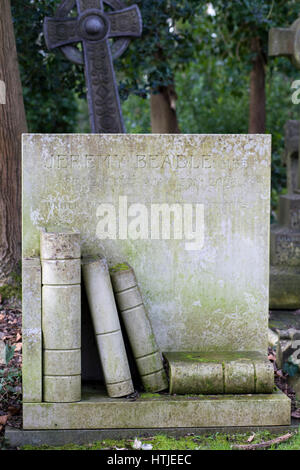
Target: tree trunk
<point x="12" y="124"/>
<point x="163" y="111"/>
<point x="257" y="109"/>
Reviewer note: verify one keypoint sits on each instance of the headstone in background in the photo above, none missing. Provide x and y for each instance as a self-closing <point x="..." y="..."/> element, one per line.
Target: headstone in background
<point x="285" y="235"/>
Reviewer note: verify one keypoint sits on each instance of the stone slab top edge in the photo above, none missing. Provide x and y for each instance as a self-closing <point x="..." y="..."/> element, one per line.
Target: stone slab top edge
<point x="213" y="356"/>
<point x="148" y="135"/>
<point x="59" y="230"/>
<point x="99" y="397"/>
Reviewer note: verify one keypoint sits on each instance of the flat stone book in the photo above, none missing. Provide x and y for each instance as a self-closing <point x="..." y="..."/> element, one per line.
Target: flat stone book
<point x="191" y="215"/>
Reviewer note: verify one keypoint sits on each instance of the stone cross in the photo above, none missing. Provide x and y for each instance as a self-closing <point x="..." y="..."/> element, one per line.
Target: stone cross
<point x="286" y="42"/>
<point x="94" y="28"/>
<point x="291" y="153"/>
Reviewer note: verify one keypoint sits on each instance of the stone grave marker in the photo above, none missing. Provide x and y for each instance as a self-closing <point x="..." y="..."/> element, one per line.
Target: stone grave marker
<point x="285" y="235"/>
<point x="190" y="214"/>
<point x="95" y="28"/>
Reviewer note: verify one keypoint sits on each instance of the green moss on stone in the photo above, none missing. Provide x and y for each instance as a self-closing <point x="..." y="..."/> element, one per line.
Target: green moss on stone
<point x="119" y="267"/>
<point x="150" y="395"/>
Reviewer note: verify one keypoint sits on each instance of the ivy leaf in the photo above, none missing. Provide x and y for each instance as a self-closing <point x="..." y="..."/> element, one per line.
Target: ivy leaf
<point x="9" y="353"/>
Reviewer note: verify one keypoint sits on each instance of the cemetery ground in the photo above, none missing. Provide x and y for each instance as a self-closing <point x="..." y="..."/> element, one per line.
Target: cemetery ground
<point x="11" y="395"/>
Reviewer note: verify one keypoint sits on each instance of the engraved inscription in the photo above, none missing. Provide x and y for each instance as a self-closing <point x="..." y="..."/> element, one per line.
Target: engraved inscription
<point x="141" y="162"/>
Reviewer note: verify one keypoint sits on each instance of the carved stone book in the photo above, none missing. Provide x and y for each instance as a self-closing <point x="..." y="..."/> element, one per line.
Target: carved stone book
<point x="139" y="330"/>
<point x="107" y="327"/>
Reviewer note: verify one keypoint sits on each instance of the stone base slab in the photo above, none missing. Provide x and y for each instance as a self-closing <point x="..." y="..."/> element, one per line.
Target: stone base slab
<point x="284" y="287"/>
<point x="97" y="411"/>
<point x="20" y="437"/>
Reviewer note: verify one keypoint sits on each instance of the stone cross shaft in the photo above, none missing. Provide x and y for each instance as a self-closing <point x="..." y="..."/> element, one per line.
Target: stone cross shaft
<point x="94" y="27"/>
<point x="286" y="42"/>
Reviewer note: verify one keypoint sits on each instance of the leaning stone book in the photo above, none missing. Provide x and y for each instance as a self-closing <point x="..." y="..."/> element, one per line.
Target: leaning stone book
<point x="138" y="327"/>
<point x="107" y="327"/>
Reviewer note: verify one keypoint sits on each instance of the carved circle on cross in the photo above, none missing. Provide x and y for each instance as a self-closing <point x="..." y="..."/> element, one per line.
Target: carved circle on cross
<point x="75" y="55"/>
<point x="93" y="25"/>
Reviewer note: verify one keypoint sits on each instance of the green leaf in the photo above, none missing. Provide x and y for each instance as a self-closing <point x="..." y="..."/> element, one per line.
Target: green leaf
<point x="9" y="353"/>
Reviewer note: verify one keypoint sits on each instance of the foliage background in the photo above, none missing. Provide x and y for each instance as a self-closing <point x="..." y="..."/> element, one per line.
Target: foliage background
<point x="205" y="55"/>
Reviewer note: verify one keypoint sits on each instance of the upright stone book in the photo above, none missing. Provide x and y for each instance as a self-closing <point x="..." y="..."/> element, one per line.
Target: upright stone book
<point x="61" y="316"/>
<point x="139" y="330"/>
<point x="107" y="327"/>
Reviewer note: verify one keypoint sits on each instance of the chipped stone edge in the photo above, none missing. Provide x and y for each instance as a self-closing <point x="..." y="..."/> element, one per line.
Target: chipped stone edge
<point x="32" y="330"/>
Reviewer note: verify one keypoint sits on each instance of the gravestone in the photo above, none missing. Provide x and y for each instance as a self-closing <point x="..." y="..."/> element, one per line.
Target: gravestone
<point x="190" y="214"/>
<point x="285" y="235"/>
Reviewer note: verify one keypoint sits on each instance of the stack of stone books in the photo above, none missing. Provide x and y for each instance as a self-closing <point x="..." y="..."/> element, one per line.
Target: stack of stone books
<point x="114" y="294"/>
<point x="107" y="294"/>
<point x="61" y="321"/>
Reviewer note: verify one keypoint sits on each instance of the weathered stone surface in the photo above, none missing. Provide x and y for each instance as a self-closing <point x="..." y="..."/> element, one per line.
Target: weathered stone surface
<point x="62" y="389"/>
<point x="96" y="411"/>
<point x="285" y="323"/>
<point x="61" y="317"/>
<point x="208" y="372"/>
<point x="114" y="361"/>
<point x="290" y="155"/>
<point x="156" y="381"/>
<point x="139" y="330"/>
<point x="120" y="389"/>
<point x="284" y="287"/>
<point x="285" y="253"/>
<point x="189" y="375"/>
<point x="60" y="272"/>
<point x="62" y="362"/>
<point x="285" y="246"/>
<point x="263" y="376"/>
<point x="210" y="288"/>
<point x="100" y="295"/>
<point x="107" y="327"/>
<point x="285" y="42"/>
<point x="60" y="244"/>
<point x="32" y="330"/>
<point x="60" y="437"/>
<point x="289" y="211"/>
<point x="150" y="363"/>
<point x="239" y="377"/>
<point x="281" y="42"/>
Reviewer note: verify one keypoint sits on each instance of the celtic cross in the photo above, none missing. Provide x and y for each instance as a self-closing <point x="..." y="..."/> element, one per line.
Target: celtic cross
<point x="94" y="28"/>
